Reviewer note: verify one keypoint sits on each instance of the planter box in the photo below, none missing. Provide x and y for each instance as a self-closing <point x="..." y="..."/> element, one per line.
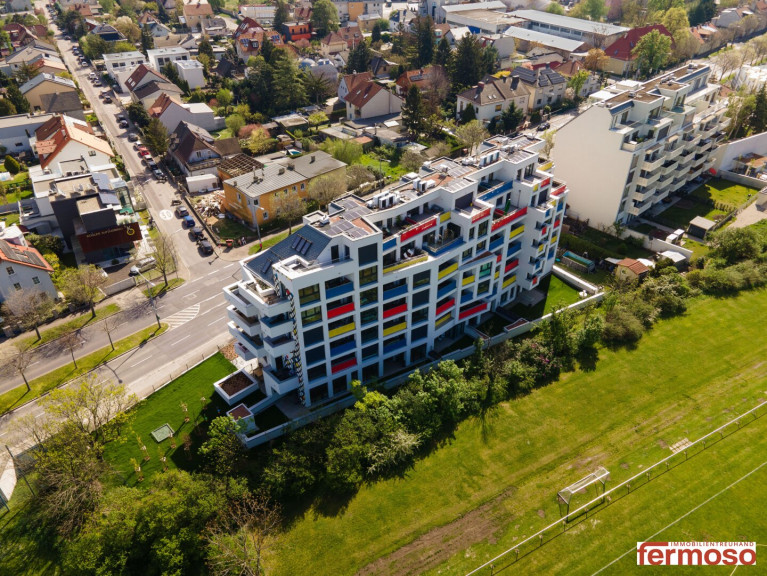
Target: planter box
<point x="235" y="387"/>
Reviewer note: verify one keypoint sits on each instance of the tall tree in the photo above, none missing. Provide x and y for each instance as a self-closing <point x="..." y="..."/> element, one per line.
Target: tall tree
<point x="156" y="137"/>
<point x="359" y="58"/>
<point x="555" y="8"/>
<point x="289" y="207"/>
<point x="25" y="72"/>
<point x="317" y="87"/>
<point x="222" y="451"/>
<point x="471" y="134"/>
<point x="147" y="40"/>
<point x="281" y="14"/>
<point x="467" y="63"/>
<point x="19" y="357"/>
<point x="82" y="285"/>
<point x="577" y="81"/>
<point x="165" y="254"/>
<point x="205" y="47"/>
<point x="28" y="308"/>
<point x="324" y="17"/>
<point x="138" y="114"/>
<point x="595" y="60"/>
<point x="652" y="52"/>
<point x="17" y="98"/>
<point x="325" y="189"/>
<point x="759" y="116"/>
<point x="375" y="35"/>
<point x="443" y="54"/>
<point x="424" y="40"/>
<point x="287" y="84"/>
<point x="413" y="111"/>
<point x="511" y="118"/>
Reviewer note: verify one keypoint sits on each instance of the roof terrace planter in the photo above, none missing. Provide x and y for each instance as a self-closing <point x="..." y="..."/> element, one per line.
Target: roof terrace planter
<point x="236" y="386"/>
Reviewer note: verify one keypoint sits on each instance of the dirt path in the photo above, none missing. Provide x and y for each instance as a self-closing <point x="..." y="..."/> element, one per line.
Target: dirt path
<point x="439" y="544"/>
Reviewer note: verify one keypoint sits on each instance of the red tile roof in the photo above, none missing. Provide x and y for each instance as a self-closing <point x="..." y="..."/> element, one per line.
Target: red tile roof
<point x="634" y="265"/>
<point x="362" y="94"/>
<point x="23" y="255"/>
<point x="57" y="132"/>
<point x="622" y="47"/>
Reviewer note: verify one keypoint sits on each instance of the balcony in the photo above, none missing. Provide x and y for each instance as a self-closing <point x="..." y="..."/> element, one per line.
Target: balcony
<point x="437" y="248"/>
<point x="501" y="218"/>
<point x="269" y="303"/>
<point x="340" y="310"/>
<point x="467" y="280"/>
<point x="350" y="363"/>
<point x="468" y="297"/>
<point x="397" y="310"/>
<point x="473" y="310"/>
<point x="509" y="281"/>
<point x="277" y="347"/>
<point x="650" y="165"/>
<point x="648" y="180"/>
<point x="394" y="292"/>
<point x="445" y="307"/>
<point x="339" y="290"/>
<point x="397" y="345"/>
<point x="275" y="327"/>
<point x="405" y="262"/>
<point x="281" y="381"/>
<point x="251" y="326"/>
<point x="447" y="270"/>
<point x="254" y="345"/>
<point x="342" y="348"/>
<point x="235" y="298"/>
<point x="493" y="189"/>
<point x="394" y="329"/>
<point x="341" y="330"/>
<point x="443" y="320"/>
<point x="445" y="290"/>
<point x="516" y="232"/>
<point x="669" y="167"/>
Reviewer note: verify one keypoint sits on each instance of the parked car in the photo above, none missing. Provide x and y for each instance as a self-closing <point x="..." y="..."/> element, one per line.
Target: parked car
<point x="107" y="100"/>
<point x="196" y="233"/>
<point x="98" y="83"/>
<point x="142" y="266"/>
<point x="188" y="222"/>
<point x="132" y="137"/>
<point x="543" y="126"/>
<point x="182" y="212"/>
<point x="123" y="124"/>
<point x="205" y="247"/>
<point x="175" y="202"/>
<point x="120" y="117"/>
<point x="137" y="144"/>
<point x="157" y="173"/>
<point x="143" y="151"/>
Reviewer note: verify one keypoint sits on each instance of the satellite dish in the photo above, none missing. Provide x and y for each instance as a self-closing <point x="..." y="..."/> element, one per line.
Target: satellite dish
<point x="221" y="216"/>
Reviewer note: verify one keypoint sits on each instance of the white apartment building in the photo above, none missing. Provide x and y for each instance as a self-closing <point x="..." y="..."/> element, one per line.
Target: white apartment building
<point x="367" y="288"/>
<point x="121" y="65"/>
<point x="159" y="57"/>
<point x="191" y="71"/>
<point x="642" y="142"/>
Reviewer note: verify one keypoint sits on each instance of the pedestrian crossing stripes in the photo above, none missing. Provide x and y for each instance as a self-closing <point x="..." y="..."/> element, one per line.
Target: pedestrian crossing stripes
<point x="182" y="317"/>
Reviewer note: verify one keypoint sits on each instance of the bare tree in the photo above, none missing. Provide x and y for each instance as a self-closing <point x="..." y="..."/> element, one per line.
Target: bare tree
<point x="290" y="207"/>
<point x="29" y="308"/>
<point x="236" y="541"/>
<point x="726" y="60"/>
<point x="71" y="341"/>
<point x="471" y="134"/>
<point x="19" y="357"/>
<point x="325" y="189"/>
<point x="110" y="323"/>
<point x="548" y="142"/>
<point x="357" y="175"/>
<point x="83" y="285"/>
<point x="165" y="255"/>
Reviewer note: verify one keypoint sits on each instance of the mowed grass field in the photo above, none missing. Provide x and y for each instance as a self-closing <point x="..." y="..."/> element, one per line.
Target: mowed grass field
<point x="496" y="481"/>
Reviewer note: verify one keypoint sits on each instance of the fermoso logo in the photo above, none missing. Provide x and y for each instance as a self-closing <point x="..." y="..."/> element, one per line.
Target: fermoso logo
<point x="696" y="553"/>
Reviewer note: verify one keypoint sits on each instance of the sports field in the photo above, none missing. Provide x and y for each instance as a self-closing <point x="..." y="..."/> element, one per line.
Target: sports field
<point x="496" y="481"/>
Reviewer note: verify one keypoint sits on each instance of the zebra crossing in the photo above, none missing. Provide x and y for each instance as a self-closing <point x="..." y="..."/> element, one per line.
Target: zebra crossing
<point x="182" y="316"/>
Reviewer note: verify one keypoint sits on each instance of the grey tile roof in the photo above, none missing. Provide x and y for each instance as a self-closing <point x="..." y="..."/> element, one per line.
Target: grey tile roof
<point x="294" y="245"/>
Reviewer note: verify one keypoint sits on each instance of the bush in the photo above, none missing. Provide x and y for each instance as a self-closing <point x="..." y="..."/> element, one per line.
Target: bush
<point x="12" y="165"/>
<point x="621" y="326"/>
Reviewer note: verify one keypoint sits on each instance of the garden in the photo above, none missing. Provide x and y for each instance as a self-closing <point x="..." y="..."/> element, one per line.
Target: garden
<point x="558" y="294"/>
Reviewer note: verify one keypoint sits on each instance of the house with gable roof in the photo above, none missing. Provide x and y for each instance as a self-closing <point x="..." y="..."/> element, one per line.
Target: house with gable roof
<point x="171" y="111"/>
<point x="24" y="268"/>
<point x="492" y="96"/>
<point x="196" y="152"/>
<point x="622" y="60"/>
<point x="195" y="11"/>
<point x="546" y="86"/>
<point x="63" y="138"/>
<point x="42" y="84"/>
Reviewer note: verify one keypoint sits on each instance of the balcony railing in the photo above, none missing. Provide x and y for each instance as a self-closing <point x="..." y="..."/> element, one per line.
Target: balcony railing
<point x="339" y="290"/>
<point x="445" y="290"/>
<point x="394" y="329"/>
<point x="341" y="330"/>
<point x="437" y="248"/>
<point x="416" y="259"/>
<point x="448" y="270"/>
<point x="394" y="292"/>
<point x="444" y="319"/>
<point x="401" y="343"/>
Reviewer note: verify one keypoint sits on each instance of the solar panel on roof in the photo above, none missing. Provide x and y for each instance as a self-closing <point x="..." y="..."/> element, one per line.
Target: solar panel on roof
<point x="300" y="245"/>
<point x="306" y="248"/>
<point x="296" y="240"/>
<point x="266" y="266"/>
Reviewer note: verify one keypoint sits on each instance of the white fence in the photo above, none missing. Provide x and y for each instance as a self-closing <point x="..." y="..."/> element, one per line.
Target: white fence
<point x="125" y="284"/>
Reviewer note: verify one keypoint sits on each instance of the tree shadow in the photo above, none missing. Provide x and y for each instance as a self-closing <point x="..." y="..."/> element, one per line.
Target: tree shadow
<point x="588" y="359"/>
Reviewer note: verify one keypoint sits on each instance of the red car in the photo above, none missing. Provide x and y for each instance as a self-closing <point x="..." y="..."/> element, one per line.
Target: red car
<point x="142" y="151"/>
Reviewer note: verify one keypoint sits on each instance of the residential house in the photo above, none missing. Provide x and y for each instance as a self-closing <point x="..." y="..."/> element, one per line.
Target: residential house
<point x="347" y="37"/>
<point x="376" y="283"/>
<point x="293" y="31"/>
<point x="322" y="67"/>
<point x="237" y="165"/>
<point x="441" y="30"/>
<point x="645" y="141"/>
<point x="21" y="35"/>
<point x="370" y="100"/>
<point x="622" y="60"/>
<point x="492" y="96"/>
<point x="192" y="72"/>
<point x="24" y="268"/>
<point x="228" y="69"/>
<point x="108" y="33"/>
<point x="349" y="82"/>
<point x="546" y="86"/>
<point x="631" y="270"/>
<point x="214" y="27"/>
<point x="156" y="28"/>
<point x="141" y="75"/>
<point x="263" y="13"/>
<point x="84" y="10"/>
<point x="424" y="78"/>
<point x="66" y="103"/>
<point x="455" y="34"/>
<point x="18" y="5"/>
<point x="731" y="17"/>
<point x="367" y="22"/>
<point x="159" y="57"/>
<point x="34" y="88"/>
<point x="380" y="66"/>
<point x="573" y="67"/>
<point x="17" y="130"/>
<point x="171" y="111"/>
<point x="150" y="91"/>
<point x="250" y="35"/>
<point x="28" y="54"/>
<point x="63" y="138"/>
<point x="195" y="11"/>
<point x="196" y="152"/>
<point x="251" y="196"/>
<point x="121" y="66"/>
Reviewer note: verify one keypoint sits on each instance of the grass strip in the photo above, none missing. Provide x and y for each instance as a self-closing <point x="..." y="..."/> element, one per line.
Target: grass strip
<point x="72" y="325"/>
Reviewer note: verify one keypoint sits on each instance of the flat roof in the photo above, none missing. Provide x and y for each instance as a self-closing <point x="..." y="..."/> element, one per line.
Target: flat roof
<point x="543" y="38"/>
<point x="600" y="28"/>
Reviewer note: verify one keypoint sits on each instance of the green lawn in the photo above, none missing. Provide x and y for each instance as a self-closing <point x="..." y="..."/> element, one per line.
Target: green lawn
<point x="228" y="228"/>
<point x="718" y="190"/>
<point x="70" y="326"/>
<point x="697" y="248"/>
<point x="684" y="378"/>
<point x="164" y="407"/>
<point x="269" y="242"/>
<point x="558" y="294"/>
<point x="391" y="169"/>
<point x="160" y="289"/>
<point x="39" y="386"/>
<point x="601" y="245"/>
<point x="680" y="216"/>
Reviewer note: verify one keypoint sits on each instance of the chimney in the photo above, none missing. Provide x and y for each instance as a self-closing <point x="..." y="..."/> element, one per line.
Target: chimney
<point x="480" y="85"/>
<point x="311" y="159"/>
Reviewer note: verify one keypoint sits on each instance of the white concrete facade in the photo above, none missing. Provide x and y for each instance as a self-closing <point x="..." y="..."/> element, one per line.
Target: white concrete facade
<point x="191" y="71"/>
<point x="159" y="57"/>
<point x="369" y="287"/>
<point x="198" y="114"/>
<point x="644" y="143"/>
<point x="121" y="65"/>
<point x="16" y="276"/>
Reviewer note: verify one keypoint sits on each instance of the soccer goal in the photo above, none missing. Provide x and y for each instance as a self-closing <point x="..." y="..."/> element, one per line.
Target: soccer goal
<point x="580" y="492"/>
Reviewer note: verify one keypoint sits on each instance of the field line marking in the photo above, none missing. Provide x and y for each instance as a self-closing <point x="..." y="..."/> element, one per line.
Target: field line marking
<point x="649" y="538"/>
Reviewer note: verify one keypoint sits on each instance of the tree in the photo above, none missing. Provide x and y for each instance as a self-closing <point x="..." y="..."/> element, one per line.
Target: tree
<point x="12" y="165"/>
<point x="359" y="58"/>
<point x="589" y="10"/>
<point x="234" y="123"/>
<point x="375" y="35"/>
<point x="156" y="137"/>
<point x="490" y="59"/>
<point x="737" y="244"/>
<point x="703" y="11"/>
<point x="595" y="60"/>
<point x="288" y="90"/>
<point x="317" y="87"/>
<point x="325" y="189"/>
<point x="357" y="175"/>
<point x="413" y="111"/>
<point x="652" y="52"/>
<point x="548" y="142"/>
<point x="511" y="118"/>
<point x="237" y="539"/>
<point x="108" y="324"/>
<point x="290" y="207"/>
<point x="317" y="119"/>
<point x="346" y="151"/>
<point x="675" y="19"/>
<point x="577" y="81"/>
<point x="19" y="357"/>
<point x="443" y="54"/>
<point x="424" y="40"/>
<point x="28" y="308"/>
<point x="71" y="341"/>
<point x="468" y="114"/>
<point x="147" y="40"/>
<point x="281" y="14"/>
<point x="324" y="18"/>
<point x="759" y="116"/>
<point x="205" y="47"/>
<point x="411" y="160"/>
<point x="471" y="134"/>
<point x="164" y="254"/>
<point x="25" y="72"/>
<point x="6" y="107"/>
<point x="128" y="28"/>
<point x="685" y="45"/>
<point x="258" y="142"/>
<point x="138" y="114"/>
<point x="223" y="449"/>
<point x="224" y="97"/>
<point x="555" y="8"/>
<point x="467" y="62"/>
<point x="740" y="107"/>
<point x="83" y="284"/>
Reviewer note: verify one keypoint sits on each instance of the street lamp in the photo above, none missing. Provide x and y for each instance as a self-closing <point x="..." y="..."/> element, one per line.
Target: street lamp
<point x="150" y="285"/>
<point x="256" y="208"/>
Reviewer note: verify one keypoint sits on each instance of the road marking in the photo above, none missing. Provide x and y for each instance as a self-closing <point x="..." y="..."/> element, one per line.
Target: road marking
<point x="195" y="280"/>
<point x="181" y="340"/>
<point x="191" y="294"/>
<point x="137" y="363"/>
<point x="214" y="307"/>
<point x="216" y="320"/>
<point x="230" y="265"/>
<point x="211" y="273"/>
<point x="182" y="317"/>
<point x="210" y="298"/>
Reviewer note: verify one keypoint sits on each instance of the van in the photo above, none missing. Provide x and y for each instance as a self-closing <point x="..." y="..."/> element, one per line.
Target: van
<point x="146" y="264"/>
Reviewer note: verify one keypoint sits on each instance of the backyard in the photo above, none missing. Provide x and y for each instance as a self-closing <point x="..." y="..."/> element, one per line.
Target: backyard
<point x="449" y="513"/>
<point x="558" y="294"/>
<point x="718" y="190"/>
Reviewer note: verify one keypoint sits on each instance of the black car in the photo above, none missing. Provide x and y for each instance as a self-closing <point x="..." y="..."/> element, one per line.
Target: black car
<point x="205" y="247"/>
<point x="181" y="211"/>
<point x="107" y="100"/>
<point x="196" y="233"/>
<point x="132" y="137"/>
<point x="543" y="126"/>
<point x="123" y="124"/>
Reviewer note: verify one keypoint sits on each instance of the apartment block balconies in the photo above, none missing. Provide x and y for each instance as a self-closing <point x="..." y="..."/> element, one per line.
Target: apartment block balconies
<point x="651" y="165"/>
<point x="250" y="325"/>
<point x="267" y="300"/>
<point x="417" y="258"/>
<point x="233" y="294"/>
<point x="339" y="290"/>
<point x="280" y="381"/>
<point x="275" y="327"/>
<point x="437" y="248"/>
<point x="276" y="347"/>
<point x="254" y="345"/>
<point x="669" y="167"/>
<point x="648" y="180"/>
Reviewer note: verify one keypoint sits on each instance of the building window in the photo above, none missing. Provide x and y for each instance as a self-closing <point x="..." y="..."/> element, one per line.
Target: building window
<point x="466" y="254"/>
<point x="419" y="316"/>
<point x="498" y="107"/>
<point x="370" y="351"/>
<point x="17" y="286"/>
<point x="368" y="275"/>
<point x="369" y="297"/>
<point x="367" y="254"/>
<point x="483" y="287"/>
<point x="421" y="298"/>
<point x="421" y="278"/>
<point x="311" y="315"/>
<point x="370" y="334"/>
<point x="35" y="280"/>
<point x="10" y="271"/>
<point x="368" y="316"/>
<point x="91" y="152"/>
<point x="266" y="215"/>
<point x="482" y="229"/>
<point x="309" y="294"/>
<point x="315" y="355"/>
